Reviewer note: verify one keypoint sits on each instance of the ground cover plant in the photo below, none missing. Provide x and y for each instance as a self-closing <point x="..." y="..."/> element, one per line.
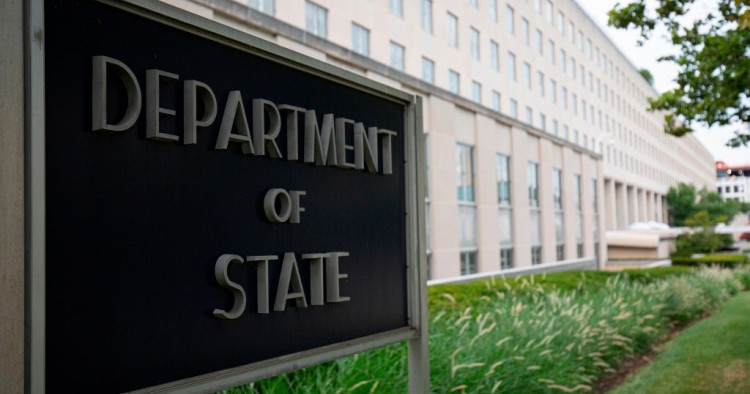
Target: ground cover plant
<point x="550" y="333"/>
<point x="724" y="260"/>
<point x="719" y="352"/>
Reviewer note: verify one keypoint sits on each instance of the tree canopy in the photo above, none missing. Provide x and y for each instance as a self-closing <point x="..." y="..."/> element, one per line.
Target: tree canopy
<point x="684" y="202"/>
<point x="713" y="60"/>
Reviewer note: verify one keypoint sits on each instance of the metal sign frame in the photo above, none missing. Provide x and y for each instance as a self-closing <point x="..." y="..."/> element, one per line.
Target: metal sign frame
<point x="416" y="331"/>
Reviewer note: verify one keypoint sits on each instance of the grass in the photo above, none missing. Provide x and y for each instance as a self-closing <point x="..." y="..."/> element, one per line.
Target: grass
<point x="551" y="333"/>
<point x="711" y="357"/>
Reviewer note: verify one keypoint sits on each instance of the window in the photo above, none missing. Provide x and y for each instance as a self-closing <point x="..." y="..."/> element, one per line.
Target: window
<point x="513" y="108"/>
<point x="360" y="40"/>
<point x="428" y="70"/>
<point x="492" y="8"/>
<point x="571" y="32"/>
<point x="548" y="11"/>
<point x="512" y="66"/>
<point x="509" y="20"/>
<point x="561" y="22"/>
<point x="526" y="75"/>
<point x="565" y="97"/>
<point x="426" y="14"/>
<point x="534" y="214"/>
<point x="540" y="83"/>
<point x="529" y="115"/>
<point x="525" y="31"/>
<point x="579" y="214"/>
<point x="396" y="7"/>
<point x="465" y="172"/>
<point x="474" y="43"/>
<point x="454" y="82"/>
<point x="574" y="101"/>
<point x="588" y="49"/>
<point x="397" y="56"/>
<point x="563" y="61"/>
<point x="316" y="19"/>
<point x="551" y="51"/>
<point x="572" y="68"/>
<point x="494" y="55"/>
<point x="476" y="92"/>
<point x="467" y="208"/>
<point x="539" y="42"/>
<point x="474" y="3"/>
<point x="538" y="6"/>
<point x="502" y="163"/>
<point x="542" y="122"/>
<point x="580" y="40"/>
<point x="496" y="100"/>
<point x="555" y="130"/>
<point x="566" y="132"/>
<point x="452" y="30"/>
<point x="553" y="91"/>
<point x="575" y="136"/>
<point x="558" y="206"/>
<point x="264" y="6"/>
<point x="583" y="76"/>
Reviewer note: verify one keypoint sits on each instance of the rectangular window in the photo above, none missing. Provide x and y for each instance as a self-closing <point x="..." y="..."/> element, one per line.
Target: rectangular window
<point x="264" y="6"/>
<point x="454" y="82"/>
<point x="468" y="262"/>
<point x="555" y="127"/>
<point x="572" y="68"/>
<point x="513" y="107"/>
<point x="360" y="40"/>
<point x="476" y="92"/>
<point x="492" y="8"/>
<point x="502" y="165"/>
<point x="451" y="29"/>
<point x="540" y="83"/>
<point x="583" y="76"/>
<point x="551" y="51"/>
<point x="574" y="101"/>
<point x="580" y="41"/>
<point x="548" y="11"/>
<point x="396" y="7"/>
<point x="579" y="214"/>
<point x="428" y="70"/>
<point x="553" y="90"/>
<point x="512" y="66"/>
<point x="566" y="132"/>
<point x="316" y="19"/>
<point x="533" y="178"/>
<point x="561" y="22"/>
<point x="588" y="49"/>
<point x="496" y="100"/>
<point x="529" y="115"/>
<point x="538" y="6"/>
<point x="571" y="31"/>
<point x="509" y="20"/>
<point x="525" y="32"/>
<point x="542" y="122"/>
<point x="494" y="55"/>
<point x="558" y="205"/>
<point x="526" y="75"/>
<point x="539" y="42"/>
<point x="465" y="172"/>
<point x="474" y="43"/>
<point x="426" y="13"/>
<point x="557" y="189"/>
<point x="397" y="56"/>
<point x="563" y="61"/>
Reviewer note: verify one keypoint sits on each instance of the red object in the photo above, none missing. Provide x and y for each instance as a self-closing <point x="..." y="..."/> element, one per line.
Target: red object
<point x="745" y="236"/>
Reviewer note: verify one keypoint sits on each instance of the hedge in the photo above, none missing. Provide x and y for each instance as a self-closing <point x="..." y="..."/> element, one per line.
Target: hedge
<point x="723" y="260"/>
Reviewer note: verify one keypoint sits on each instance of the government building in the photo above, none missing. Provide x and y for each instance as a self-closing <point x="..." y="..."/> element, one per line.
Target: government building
<point x="537" y="135"/>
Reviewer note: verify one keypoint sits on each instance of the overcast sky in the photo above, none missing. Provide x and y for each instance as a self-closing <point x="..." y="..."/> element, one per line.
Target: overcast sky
<point x="713" y="139"/>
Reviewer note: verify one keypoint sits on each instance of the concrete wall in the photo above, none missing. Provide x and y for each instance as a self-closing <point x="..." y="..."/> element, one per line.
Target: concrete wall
<point x="11" y="197"/>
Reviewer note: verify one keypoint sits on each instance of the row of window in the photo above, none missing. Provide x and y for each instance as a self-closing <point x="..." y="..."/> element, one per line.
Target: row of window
<point x="467" y="210"/>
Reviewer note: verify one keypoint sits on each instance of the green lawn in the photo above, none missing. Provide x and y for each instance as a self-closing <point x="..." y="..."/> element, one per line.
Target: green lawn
<point x="711" y="357"/>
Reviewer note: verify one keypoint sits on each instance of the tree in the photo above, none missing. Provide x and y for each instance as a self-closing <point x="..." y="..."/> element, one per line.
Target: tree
<point x="703" y="239"/>
<point x="647" y="76"/>
<point x="685" y="201"/>
<point x="713" y="62"/>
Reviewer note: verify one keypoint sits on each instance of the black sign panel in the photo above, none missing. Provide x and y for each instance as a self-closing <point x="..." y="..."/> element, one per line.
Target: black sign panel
<point x="134" y="226"/>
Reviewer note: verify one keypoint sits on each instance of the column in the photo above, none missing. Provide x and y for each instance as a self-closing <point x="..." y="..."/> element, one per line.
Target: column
<point x="622" y="206"/>
<point x="658" y="208"/>
<point x="633" y="208"/>
<point x="610" y="205"/>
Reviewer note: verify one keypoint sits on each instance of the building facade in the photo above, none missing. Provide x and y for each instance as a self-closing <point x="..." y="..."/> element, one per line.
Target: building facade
<point x="537" y="137"/>
<point x="733" y="182"/>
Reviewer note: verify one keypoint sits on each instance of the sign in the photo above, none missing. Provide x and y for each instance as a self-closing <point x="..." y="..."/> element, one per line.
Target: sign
<point x="217" y="208"/>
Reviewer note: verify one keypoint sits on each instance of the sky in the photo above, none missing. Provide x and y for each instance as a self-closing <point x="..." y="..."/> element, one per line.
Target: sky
<point x="664" y="73"/>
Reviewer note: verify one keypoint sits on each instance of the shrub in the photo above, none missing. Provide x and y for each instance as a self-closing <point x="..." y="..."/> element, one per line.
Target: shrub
<point x="743" y="276"/>
<point x="703" y="241"/>
<point x="722" y="260"/>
